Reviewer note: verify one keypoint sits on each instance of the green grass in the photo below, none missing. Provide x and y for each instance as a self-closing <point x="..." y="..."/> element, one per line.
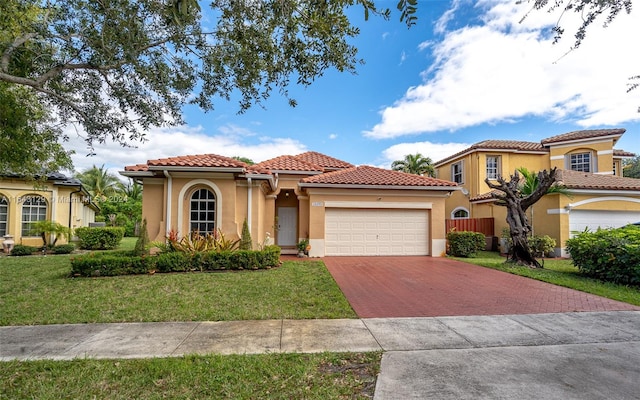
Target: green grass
<point x="272" y="376"/>
<point x="37" y="290"/>
<point x="560" y="272"/>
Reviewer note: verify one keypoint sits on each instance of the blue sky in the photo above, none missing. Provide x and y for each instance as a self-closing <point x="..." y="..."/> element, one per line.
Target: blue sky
<point x="468" y="71"/>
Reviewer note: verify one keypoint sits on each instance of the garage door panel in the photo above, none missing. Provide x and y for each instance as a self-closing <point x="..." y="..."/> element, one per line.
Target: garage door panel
<point x="579" y="220"/>
<point x="376" y="232"/>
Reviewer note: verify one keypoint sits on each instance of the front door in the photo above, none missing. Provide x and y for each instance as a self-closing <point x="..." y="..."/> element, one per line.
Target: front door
<point x="287" y="226"/>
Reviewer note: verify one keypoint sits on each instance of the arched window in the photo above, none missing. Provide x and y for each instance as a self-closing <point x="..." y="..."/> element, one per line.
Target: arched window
<point x="4" y="215"/>
<point x="202" y="211"/>
<point x="34" y="209"/>
<point x="460" y="213"/>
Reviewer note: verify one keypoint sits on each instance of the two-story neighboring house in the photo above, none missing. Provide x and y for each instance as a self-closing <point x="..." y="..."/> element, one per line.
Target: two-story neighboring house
<point x="589" y="167"/>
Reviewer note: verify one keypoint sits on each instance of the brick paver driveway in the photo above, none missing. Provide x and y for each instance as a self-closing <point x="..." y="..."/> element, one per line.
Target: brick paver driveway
<point x="428" y="287"/>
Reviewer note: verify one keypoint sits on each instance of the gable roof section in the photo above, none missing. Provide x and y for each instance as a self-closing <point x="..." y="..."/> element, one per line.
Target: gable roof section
<point x="367" y="176"/>
<point x="617" y="153"/>
<point x="290" y="164"/>
<point x="584" y="135"/>
<point x="502" y="145"/>
<point x="323" y="160"/>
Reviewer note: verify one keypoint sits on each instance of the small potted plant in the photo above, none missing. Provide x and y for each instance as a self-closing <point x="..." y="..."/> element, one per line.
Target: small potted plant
<point x="303" y="248"/>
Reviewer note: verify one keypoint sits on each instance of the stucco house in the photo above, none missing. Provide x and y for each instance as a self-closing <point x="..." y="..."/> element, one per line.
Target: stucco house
<point x="340" y="208"/>
<point x="589" y="167"/>
<point x="57" y="198"/>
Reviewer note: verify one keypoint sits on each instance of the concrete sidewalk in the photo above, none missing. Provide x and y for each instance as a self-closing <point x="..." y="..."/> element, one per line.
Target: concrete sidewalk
<point x="587" y="355"/>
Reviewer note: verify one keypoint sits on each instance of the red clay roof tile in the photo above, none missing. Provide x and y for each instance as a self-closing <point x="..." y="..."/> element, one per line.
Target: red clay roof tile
<point x="585" y="180"/>
<point x="323" y="160"/>
<point x="584" y="134"/>
<point x="289" y="163"/>
<point x="198" y="160"/>
<point x="372" y="176"/>
<point x="137" y="168"/>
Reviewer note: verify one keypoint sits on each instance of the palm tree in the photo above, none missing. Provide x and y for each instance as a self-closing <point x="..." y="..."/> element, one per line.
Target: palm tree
<point x="530" y="182"/>
<point x="415" y="164"/>
<point x="98" y="181"/>
<point x="132" y="189"/>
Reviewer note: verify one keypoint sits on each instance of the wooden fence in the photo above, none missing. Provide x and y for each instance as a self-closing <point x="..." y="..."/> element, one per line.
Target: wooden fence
<point x="481" y="225"/>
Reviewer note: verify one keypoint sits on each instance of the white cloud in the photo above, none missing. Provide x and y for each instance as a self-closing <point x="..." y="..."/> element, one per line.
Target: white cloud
<point x="435" y="151"/>
<point x="333" y="136"/>
<point x="503" y="70"/>
<point x="178" y="141"/>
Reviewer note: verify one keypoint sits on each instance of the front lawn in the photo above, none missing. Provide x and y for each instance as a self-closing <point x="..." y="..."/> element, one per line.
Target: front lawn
<point x="265" y="376"/>
<point x="560" y="272"/>
<point x="36" y="290"/>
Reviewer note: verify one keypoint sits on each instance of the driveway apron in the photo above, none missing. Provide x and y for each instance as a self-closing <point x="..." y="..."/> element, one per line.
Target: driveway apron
<point x="407" y="286"/>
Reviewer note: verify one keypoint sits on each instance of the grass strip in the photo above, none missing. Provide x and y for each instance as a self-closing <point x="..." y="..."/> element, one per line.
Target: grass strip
<point x="272" y="376"/>
<point x="559" y="272"/>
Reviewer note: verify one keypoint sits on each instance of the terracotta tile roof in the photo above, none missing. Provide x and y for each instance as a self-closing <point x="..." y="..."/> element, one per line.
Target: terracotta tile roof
<point x="622" y="153"/>
<point x="198" y="160"/>
<point x="484" y="196"/>
<point x="323" y="160"/>
<point x="585" y="134"/>
<point x="289" y="163"/>
<point x="513" y="145"/>
<point x="372" y="176"/>
<point x="137" y="168"/>
<point x="585" y="180"/>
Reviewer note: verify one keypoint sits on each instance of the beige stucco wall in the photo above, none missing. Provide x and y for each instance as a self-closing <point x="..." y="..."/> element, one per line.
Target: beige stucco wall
<point x="601" y="151"/>
<point x="70" y="212"/>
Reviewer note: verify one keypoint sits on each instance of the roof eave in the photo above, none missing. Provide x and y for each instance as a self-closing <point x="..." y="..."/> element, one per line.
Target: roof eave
<point x="615" y="136"/>
<point x="196" y="169"/>
<point x="382" y="187"/>
<point x="136" y="174"/>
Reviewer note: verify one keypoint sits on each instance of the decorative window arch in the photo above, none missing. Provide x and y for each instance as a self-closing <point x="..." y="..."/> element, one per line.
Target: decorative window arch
<point x="186" y="194"/>
<point x="202" y="211"/>
<point x="34" y="209"/>
<point x="4" y="215"/>
<point x="460" y="213"/>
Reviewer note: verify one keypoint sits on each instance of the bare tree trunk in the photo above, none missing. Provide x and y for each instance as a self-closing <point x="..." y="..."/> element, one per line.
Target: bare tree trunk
<point x="508" y="195"/>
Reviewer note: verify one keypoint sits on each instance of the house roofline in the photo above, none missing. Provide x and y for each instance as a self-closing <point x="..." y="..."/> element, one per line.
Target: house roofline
<point x="382" y="187"/>
<point x="487" y="150"/>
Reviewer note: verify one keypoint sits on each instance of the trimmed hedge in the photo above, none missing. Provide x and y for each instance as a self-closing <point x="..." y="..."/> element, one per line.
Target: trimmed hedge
<point x="21" y="250"/>
<point x="465" y="244"/>
<point x="611" y="255"/>
<point x="99" y="238"/>
<point x="127" y="263"/>
<point x="63" y="248"/>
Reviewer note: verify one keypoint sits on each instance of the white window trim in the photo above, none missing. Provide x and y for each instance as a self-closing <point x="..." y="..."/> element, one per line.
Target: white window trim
<point x="498" y="166"/>
<point x="181" y="199"/>
<point x="5" y="204"/>
<point x="455" y="210"/>
<point x="22" y="221"/>
<point x="461" y="163"/>
<point x="592" y="163"/>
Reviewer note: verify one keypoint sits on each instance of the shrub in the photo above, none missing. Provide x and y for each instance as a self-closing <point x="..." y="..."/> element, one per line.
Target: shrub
<point x="172" y="262"/>
<point x="542" y="246"/>
<point x="608" y="254"/>
<point x="20" y="250"/>
<point x="126" y="263"/>
<point x="63" y="249"/>
<point x="245" y="239"/>
<point x="99" y="238"/>
<point x="465" y="244"/>
<point x="143" y="240"/>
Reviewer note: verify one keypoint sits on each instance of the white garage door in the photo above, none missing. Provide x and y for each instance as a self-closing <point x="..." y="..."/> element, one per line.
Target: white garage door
<point x="362" y="232"/>
<point x="579" y="220"/>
